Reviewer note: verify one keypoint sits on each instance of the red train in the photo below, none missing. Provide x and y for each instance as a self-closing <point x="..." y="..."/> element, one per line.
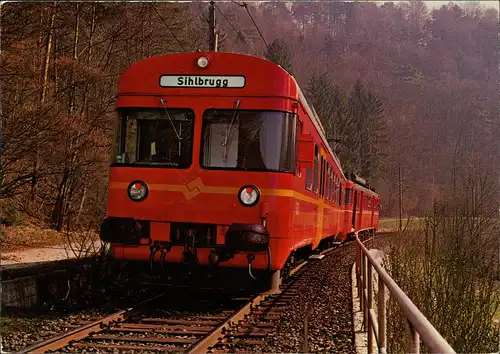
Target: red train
<point x="219" y="161"/>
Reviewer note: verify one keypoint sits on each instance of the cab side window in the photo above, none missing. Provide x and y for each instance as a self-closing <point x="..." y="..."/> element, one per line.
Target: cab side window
<point x="297" y="138"/>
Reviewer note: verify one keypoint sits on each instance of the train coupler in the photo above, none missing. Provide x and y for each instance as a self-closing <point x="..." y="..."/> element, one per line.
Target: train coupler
<point x="247" y="237"/>
<point x="220" y="254"/>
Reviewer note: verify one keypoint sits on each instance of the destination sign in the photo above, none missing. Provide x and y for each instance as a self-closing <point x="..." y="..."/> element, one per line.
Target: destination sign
<point x="202" y="81"/>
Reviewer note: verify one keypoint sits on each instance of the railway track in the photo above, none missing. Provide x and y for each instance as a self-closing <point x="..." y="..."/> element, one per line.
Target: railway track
<point x="241" y="323"/>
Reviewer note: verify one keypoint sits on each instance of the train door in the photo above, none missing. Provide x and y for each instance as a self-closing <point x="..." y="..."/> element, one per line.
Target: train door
<point x="354" y="208"/>
<point x="372" y="209"/>
<point x="361" y="205"/>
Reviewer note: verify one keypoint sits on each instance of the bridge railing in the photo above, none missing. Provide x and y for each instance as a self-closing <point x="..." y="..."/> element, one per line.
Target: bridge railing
<point x="417" y="326"/>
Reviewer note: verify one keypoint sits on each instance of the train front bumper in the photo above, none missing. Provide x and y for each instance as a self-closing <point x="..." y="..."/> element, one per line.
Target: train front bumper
<point x="135" y="240"/>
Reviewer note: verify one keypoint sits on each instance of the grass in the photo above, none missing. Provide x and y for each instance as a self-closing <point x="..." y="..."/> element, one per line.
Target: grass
<point x="391" y="224"/>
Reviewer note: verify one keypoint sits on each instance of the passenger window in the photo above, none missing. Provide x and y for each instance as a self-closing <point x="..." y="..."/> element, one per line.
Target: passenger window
<point x="323" y="170"/>
<point x="321" y="177"/>
<point x="328" y="182"/>
<point x="332" y="186"/>
<point x="348" y="196"/>
<point x="316" y="169"/>
<point x="335" y="196"/>
<point x="341" y="195"/>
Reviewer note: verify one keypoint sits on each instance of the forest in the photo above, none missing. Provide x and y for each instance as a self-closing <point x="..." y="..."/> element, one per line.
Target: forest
<point x="397" y="86"/>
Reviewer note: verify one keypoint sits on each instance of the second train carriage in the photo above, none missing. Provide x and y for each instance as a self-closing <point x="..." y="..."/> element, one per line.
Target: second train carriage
<point x="219" y="160"/>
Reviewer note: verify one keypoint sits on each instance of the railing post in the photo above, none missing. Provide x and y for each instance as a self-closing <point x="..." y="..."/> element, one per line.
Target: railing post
<point x="365" y="307"/>
<point x="430" y="336"/>
<point x="362" y="275"/>
<point x="369" y="306"/>
<point x="412" y="339"/>
<point x="382" y="322"/>
<point x="356" y="247"/>
<point x="358" y="269"/>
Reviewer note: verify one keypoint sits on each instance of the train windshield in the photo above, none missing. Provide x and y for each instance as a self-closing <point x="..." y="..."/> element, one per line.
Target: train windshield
<point x="248" y="140"/>
<point x="155" y="136"/>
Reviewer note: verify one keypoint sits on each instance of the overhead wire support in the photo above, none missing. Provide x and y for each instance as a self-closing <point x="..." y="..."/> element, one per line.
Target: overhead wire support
<point x="212" y="36"/>
<point x="166" y="25"/>
<point x="238" y="33"/>
<point x="244" y="4"/>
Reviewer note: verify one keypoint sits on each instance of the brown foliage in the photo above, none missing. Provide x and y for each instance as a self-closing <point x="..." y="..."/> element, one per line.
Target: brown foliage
<point x="449" y="267"/>
<point x="60" y="66"/>
<point x="435" y="72"/>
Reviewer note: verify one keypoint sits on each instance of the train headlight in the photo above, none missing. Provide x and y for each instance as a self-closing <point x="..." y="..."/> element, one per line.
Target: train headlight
<point x="137" y="191"/>
<point x="202" y="62"/>
<point x="249" y="195"/>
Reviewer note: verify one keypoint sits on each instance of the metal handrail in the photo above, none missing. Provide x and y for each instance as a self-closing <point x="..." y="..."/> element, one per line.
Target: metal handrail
<point x="416" y="324"/>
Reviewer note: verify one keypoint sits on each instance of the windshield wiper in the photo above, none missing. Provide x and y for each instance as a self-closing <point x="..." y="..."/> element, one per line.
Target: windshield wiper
<point x="229" y="131"/>
<point x="169" y="118"/>
<point x="172" y="122"/>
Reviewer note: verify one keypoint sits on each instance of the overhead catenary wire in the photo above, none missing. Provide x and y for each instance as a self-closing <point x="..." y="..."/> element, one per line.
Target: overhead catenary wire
<point x="238" y="33"/>
<point x="244" y="4"/>
<point x="166" y="25"/>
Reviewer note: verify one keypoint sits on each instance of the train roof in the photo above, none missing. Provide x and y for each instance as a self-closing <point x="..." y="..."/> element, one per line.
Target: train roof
<point x="364" y="189"/>
<point x="319" y="127"/>
<point x="142" y="77"/>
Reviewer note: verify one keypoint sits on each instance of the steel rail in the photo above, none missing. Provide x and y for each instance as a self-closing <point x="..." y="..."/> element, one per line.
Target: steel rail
<point x="64" y="339"/>
<point x="200" y="346"/>
<point x="417" y="326"/>
<point x="213" y="338"/>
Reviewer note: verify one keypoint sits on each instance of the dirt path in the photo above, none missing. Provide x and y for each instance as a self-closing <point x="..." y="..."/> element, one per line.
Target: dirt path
<point x="28" y="244"/>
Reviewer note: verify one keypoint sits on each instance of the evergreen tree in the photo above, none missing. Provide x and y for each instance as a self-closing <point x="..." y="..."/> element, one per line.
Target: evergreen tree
<point x="364" y="133"/>
<point x="319" y="94"/>
<point x="353" y="123"/>
<point x="331" y="105"/>
<point x="279" y="53"/>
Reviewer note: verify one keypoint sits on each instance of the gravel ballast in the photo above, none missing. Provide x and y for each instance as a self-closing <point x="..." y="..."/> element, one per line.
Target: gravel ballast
<point x="19" y="330"/>
<point x="327" y="295"/>
<point x="324" y="293"/>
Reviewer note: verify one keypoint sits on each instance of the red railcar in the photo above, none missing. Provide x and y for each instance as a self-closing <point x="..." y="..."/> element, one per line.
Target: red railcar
<point x="362" y="204"/>
<point x="220" y="161"/>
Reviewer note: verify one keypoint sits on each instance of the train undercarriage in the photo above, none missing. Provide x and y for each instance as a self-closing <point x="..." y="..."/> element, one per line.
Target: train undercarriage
<point x="190" y="273"/>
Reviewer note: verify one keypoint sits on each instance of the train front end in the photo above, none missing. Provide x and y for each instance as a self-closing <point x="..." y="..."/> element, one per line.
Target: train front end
<point x="204" y="144"/>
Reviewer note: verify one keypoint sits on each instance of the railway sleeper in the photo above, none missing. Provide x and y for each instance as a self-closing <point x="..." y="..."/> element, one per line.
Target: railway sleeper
<point x="248" y="334"/>
<point x="162" y="331"/>
<point x="215" y="318"/>
<point x="127" y="347"/>
<point x="166" y="326"/>
<point x="289" y="297"/>
<point x="144" y="339"/>
<point x="269" y="318"/>
<point x="264" y="325"/>
<point x="181" y="322"/>
<point x="273" y="303"/>
<point x="268" y="313"/>
<point x="243" y="342"/>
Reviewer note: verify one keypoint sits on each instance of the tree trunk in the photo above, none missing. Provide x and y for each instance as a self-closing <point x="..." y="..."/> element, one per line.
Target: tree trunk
<point x="84" y="109"/>
<point x="43" y="96"/>
<point x="62" y="202"/>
